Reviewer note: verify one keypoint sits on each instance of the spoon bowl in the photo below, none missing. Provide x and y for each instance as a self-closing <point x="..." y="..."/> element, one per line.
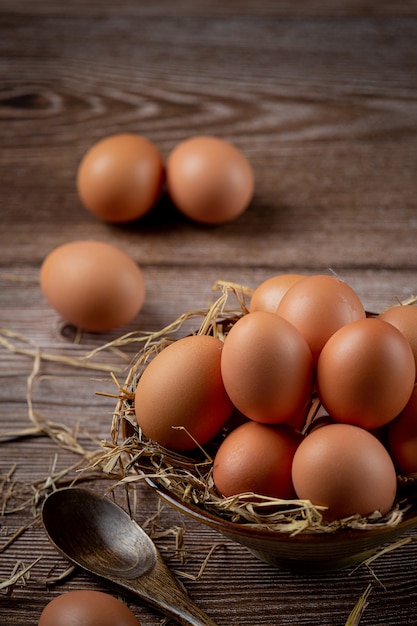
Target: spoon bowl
<point x="96" y="534"/>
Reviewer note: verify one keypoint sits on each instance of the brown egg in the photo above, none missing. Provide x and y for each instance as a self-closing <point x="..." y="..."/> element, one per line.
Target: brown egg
<point x="209" y="179"/>
<point x="267" y="368"/>
<point x="120" y="178"/>
<point x="366" y="373"/>
<point x="402" y="437"/>
<point x="405" y="319"/>
<point x="346" y="469"/>
<point x="268" y="295"/>
<point x="318" y="306"/>
<point x="92" y="285"/>
<point x="86" y="608"/>
<point x="182" y="387"/>
<point x="257" y="458"/>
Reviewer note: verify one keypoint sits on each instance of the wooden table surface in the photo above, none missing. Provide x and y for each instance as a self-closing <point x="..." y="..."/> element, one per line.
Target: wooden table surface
<point x="322" y="99"/>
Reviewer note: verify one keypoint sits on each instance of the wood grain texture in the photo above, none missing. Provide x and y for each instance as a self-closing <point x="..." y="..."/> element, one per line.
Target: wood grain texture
<point x="321" y="97"/>
<point x="214" y="8"/>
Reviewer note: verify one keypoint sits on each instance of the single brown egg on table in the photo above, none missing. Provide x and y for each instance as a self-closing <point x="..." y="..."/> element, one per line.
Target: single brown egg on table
<point x="87" y="608"/>
<point x="120" y="178"/>
<point x="92" y="284"/>
<point x="209" y="180"/>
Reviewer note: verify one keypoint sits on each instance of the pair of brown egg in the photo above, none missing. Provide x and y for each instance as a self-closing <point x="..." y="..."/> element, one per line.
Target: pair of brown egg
<point x="121" y="178"/>
<point x="98" y="287"/>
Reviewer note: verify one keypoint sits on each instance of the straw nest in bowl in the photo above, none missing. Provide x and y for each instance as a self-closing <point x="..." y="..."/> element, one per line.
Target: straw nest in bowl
<point x="261" y="523"/>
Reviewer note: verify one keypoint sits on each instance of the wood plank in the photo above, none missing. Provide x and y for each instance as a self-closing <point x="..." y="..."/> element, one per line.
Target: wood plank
<point x="303" y="123"/>
<point x="215" y="8"/>
<point x="321" y="97"/>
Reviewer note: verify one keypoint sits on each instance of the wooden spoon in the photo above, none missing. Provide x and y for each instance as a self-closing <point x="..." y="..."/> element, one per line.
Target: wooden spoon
<point x="94" y="533"/>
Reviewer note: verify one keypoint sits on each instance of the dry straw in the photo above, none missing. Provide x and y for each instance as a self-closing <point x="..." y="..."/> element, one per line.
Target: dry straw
<point x="189" y="477"/>
<point x="130" y="457"/>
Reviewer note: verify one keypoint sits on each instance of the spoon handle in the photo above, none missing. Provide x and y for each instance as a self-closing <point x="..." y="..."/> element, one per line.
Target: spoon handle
<point x="160" y="589"/>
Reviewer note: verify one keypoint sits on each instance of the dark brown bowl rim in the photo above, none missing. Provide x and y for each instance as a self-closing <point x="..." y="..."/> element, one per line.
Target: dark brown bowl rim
<point x="311" y="537"/>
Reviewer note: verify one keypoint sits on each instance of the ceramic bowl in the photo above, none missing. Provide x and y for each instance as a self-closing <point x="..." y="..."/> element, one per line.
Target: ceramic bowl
<point x="303" y="552"/>
<point x="309" y="551"/>
<point x="306" y="551"/>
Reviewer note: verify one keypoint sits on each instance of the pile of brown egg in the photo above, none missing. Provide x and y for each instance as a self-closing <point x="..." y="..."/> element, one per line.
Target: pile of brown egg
<point x="304" y="339"/>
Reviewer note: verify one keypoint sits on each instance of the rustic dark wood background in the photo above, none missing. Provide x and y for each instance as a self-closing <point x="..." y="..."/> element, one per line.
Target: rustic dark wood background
<point x="322" y="98"/>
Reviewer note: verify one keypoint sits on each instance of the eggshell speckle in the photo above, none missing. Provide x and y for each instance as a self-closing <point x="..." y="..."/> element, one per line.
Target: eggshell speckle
<point x="209" y="180"/>
<point x="86" y="608"/>
<point x="346" y="469"/>
<point x="92" y="285"/>
<point x="120" y="178"/>
<point x="182" y="387"/>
